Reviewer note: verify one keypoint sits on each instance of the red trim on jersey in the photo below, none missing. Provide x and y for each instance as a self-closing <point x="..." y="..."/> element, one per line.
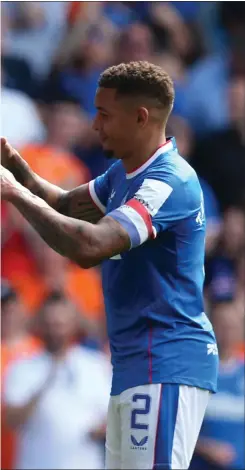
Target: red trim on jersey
<point x="143" y="212"/>
<point x="138" y="167"/>
<point x="158" y="424"/>
<point x="93" y="201"/>
<point x="150" y="353"/>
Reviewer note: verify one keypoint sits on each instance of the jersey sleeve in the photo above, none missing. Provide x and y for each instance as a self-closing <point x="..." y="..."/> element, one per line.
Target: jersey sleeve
<point x="99" y="190"/>
<point x="155" y="206"/>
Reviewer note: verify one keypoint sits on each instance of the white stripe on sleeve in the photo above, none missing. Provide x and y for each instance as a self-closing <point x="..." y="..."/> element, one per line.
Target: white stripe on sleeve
<point x="153" y="193"/>
<point x="95" y="197"/>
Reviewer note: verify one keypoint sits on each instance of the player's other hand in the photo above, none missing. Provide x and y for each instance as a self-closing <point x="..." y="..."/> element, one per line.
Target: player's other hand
<point x="8" y="154"/>
<point x="8" y="184"/>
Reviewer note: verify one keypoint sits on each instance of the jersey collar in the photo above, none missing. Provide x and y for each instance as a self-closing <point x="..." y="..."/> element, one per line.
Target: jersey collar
<point x="169" y="145"/>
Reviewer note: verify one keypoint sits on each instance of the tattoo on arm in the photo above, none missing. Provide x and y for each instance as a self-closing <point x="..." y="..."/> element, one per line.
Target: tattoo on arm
<point x="79" y="205"/>
<point x="76" y="203"/>
<point x="61" y="233"/>
<point x="80" y="241"/>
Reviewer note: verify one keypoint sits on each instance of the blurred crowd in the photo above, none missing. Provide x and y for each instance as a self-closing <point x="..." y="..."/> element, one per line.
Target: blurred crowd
<point x="55" y="357"/>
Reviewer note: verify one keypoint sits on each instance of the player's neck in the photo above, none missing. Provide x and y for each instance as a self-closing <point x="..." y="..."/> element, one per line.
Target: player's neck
<point x="142" y="152"/>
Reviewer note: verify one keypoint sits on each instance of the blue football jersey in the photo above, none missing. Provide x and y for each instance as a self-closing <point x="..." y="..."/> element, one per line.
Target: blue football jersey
<point x="157" y="327"/>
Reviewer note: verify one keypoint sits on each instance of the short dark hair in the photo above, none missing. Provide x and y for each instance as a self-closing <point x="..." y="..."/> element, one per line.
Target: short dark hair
<point x="140" y="78"/>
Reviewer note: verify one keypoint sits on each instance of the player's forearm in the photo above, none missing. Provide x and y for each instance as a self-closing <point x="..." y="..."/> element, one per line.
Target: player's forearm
<point x="69" y="237"/>
<point x="47" y="191"/>
<point x="37" y="185"/>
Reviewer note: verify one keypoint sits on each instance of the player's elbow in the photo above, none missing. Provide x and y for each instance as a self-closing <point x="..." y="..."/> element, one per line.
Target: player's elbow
<point x="86" y="258"/>
<point x="89" y="250"/>
<point x="86" y="262"/>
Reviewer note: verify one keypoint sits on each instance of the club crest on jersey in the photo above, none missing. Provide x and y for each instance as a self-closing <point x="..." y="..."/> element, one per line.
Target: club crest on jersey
<point x="112" y="195"/>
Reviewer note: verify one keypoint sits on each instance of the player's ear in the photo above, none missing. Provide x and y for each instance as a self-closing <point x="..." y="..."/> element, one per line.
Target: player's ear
<point x="143" y="116"/>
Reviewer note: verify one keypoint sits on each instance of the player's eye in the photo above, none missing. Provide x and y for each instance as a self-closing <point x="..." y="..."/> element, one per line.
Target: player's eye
<point x="104" y="115"/>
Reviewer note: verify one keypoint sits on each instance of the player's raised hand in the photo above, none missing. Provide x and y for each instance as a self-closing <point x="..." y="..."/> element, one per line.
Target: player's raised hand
<point x="8" y="154"/>
<point x="13" y="161"/>
<point x="8" y="183"/>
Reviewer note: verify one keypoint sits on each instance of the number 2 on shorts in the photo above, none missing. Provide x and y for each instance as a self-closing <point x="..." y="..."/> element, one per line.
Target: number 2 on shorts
<point x="135" y="424"/>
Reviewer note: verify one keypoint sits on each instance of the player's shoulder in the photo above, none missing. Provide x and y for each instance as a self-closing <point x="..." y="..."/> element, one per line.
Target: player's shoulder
<point x="171" y="178"/>
<point x="173" y="169"/>
<point x="116" y="168"/>
<point x="109" y="178"/>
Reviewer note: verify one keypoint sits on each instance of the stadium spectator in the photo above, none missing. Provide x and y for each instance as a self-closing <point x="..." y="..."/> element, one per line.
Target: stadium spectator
<point x="77" y="74"/>
<point x="21" y="123"/>
<point x="207" y="101"/>
<point x="225" y="268"/>
<point x="16" y="72"/>
<point x="116" y="13"/>
<point x="53" y="400"/>
<point x="16" y="339"/>
<point x="16" y="343"/>
<point x="232" y="18"/>
<point x="220" y="156"/>
<point x="221" y="442"/>
<point x="52" y="158"/>
<point x="180" y="128"/>
<point x="167" y="24"/>
<point x="38" y="269"/>
<point x="135" y="43"/>
<point x="35" y="30"/>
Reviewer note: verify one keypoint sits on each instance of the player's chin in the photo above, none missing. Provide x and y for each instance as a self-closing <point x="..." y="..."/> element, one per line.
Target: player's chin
<point x="107" y="148"/>
<point x="109" y="153"/>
